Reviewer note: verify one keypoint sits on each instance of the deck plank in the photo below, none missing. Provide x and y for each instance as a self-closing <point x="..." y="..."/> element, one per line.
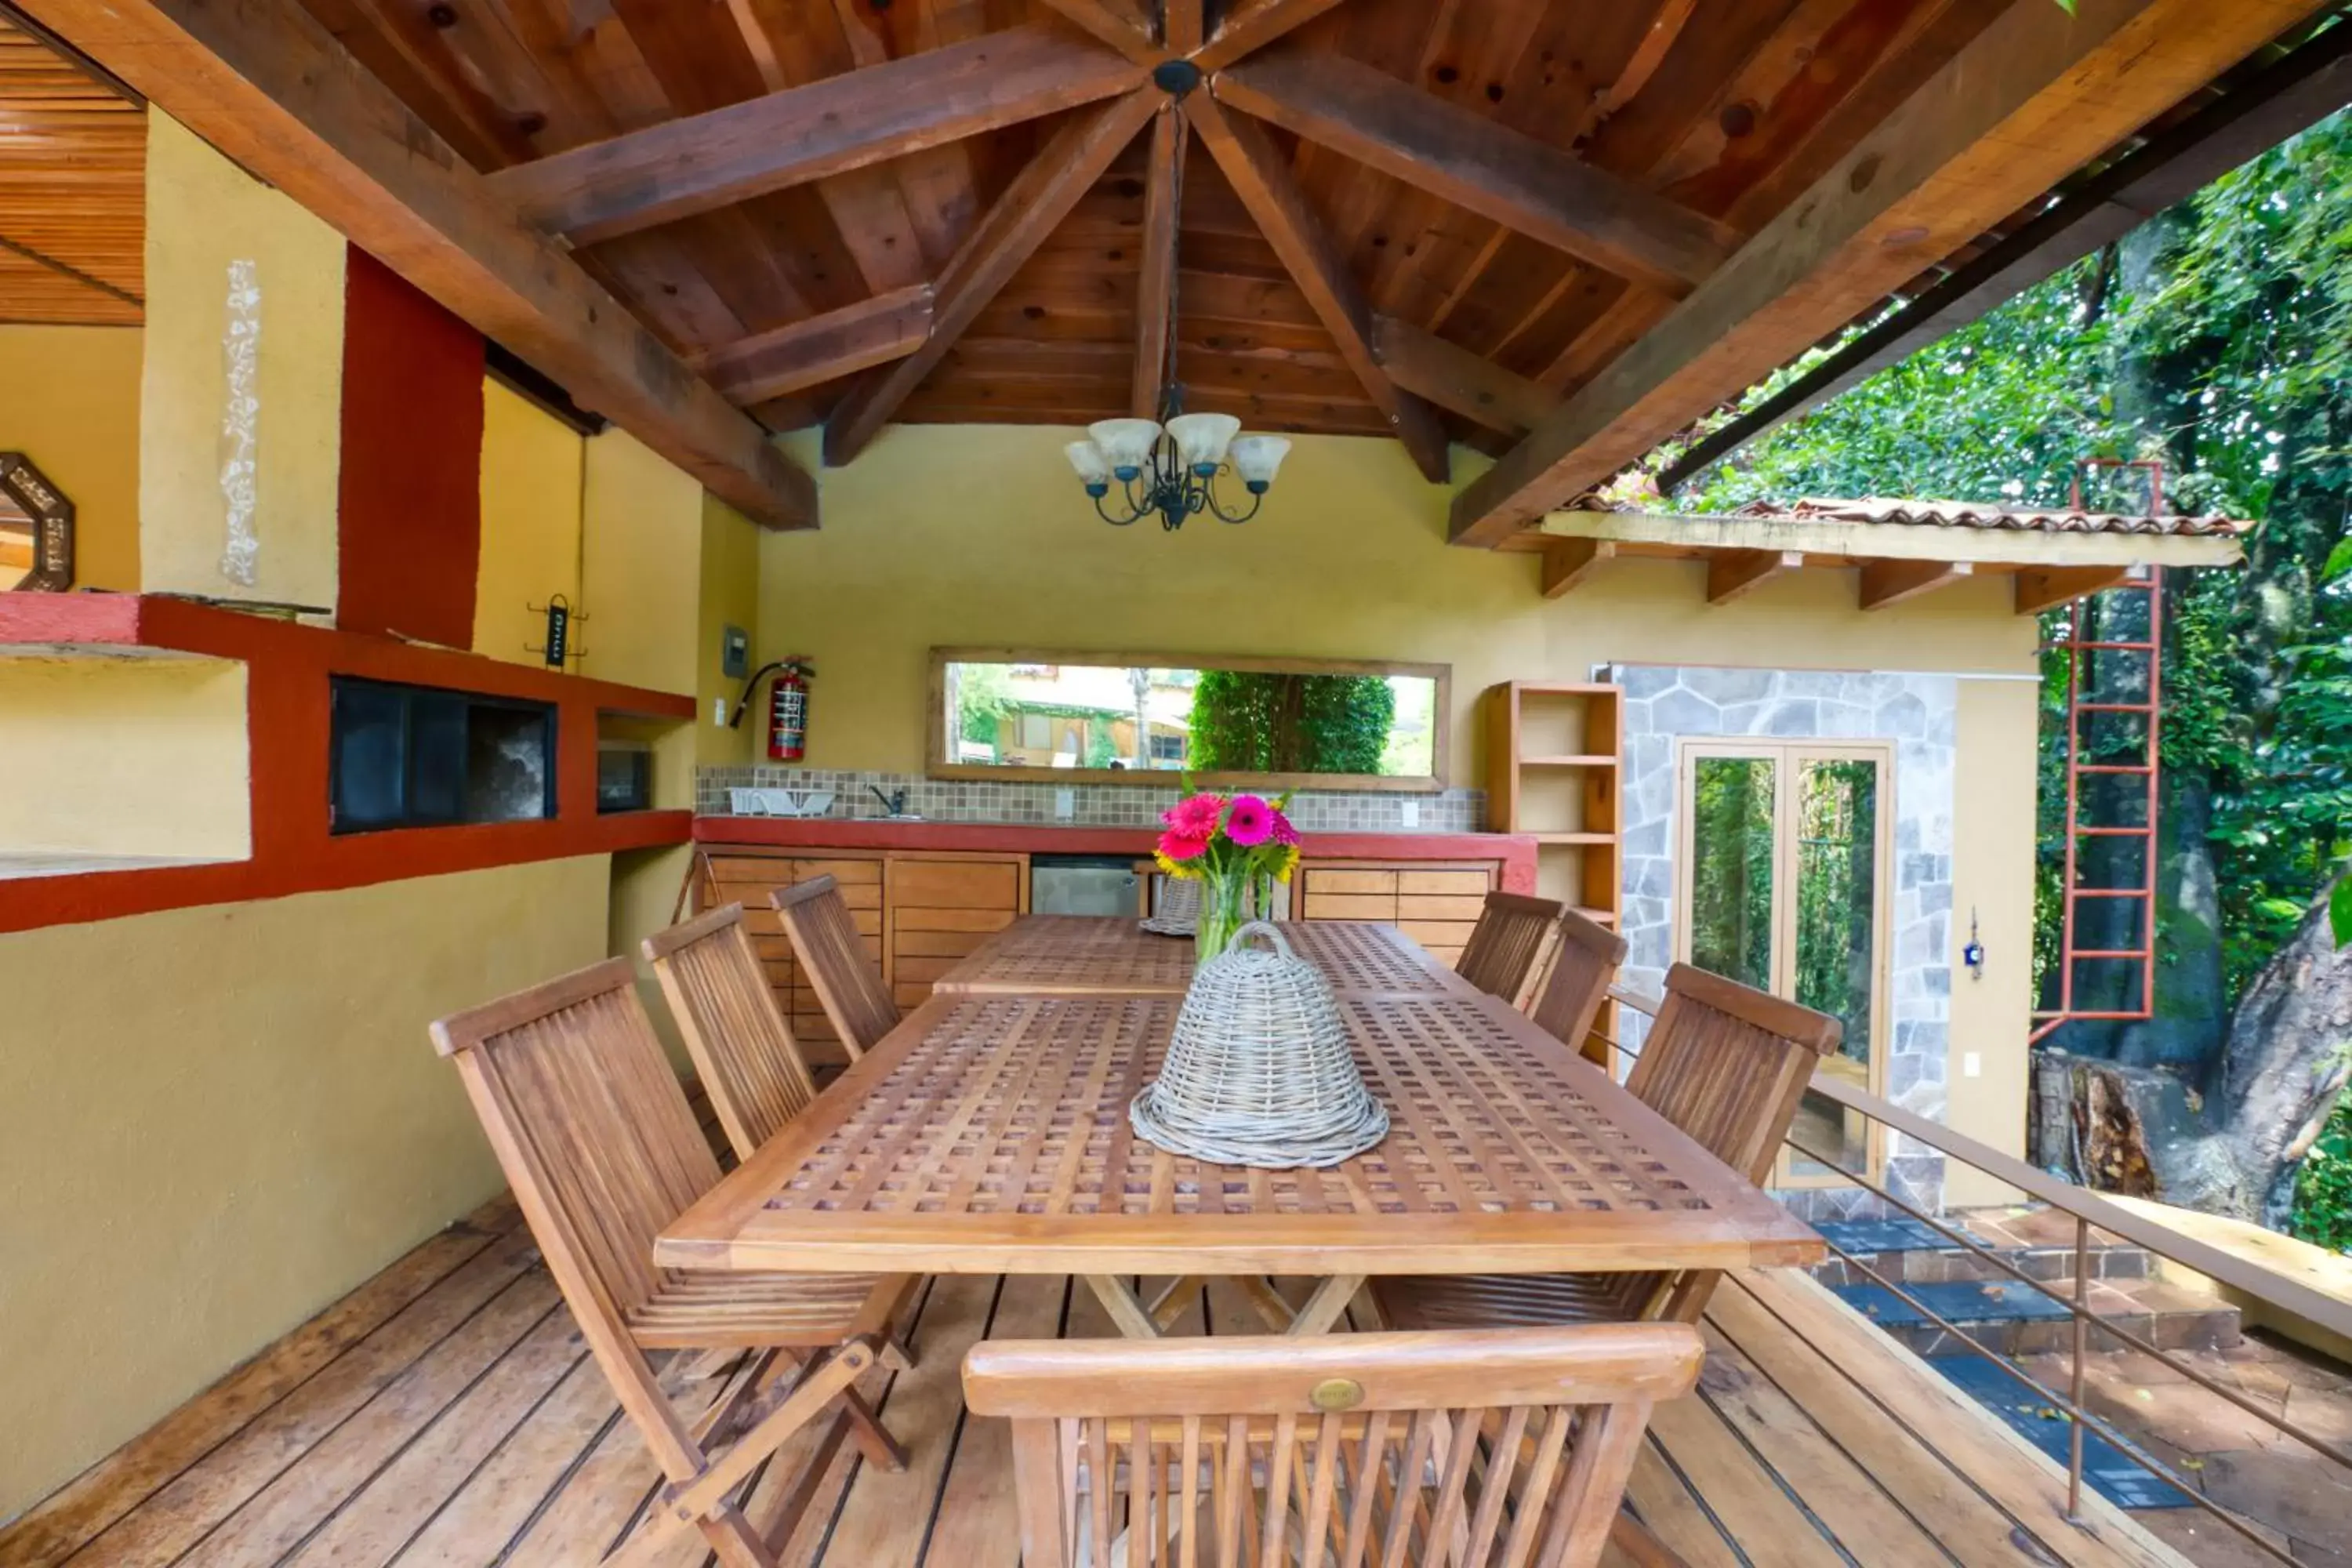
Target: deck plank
<point x="82" y="1509"/>
<point x="501" y="1499"/>
<point x="1767" y="1527"/>
<point x="977" y="1524"/>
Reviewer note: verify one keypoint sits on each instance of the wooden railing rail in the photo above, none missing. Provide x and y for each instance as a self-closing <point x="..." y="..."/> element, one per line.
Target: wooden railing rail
<point x="2088" y="1210"/>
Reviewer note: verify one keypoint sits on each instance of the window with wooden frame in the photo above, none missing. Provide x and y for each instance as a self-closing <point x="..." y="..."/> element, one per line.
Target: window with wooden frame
<point x="1783" y="882"/>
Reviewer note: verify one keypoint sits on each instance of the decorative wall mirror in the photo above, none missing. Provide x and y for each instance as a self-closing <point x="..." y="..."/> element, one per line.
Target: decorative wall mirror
<point x="35" y="529"/>
<point x="1144" y="719"/>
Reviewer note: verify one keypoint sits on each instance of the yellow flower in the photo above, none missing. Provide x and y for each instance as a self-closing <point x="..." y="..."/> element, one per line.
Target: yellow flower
<point x="1187" y="869"/>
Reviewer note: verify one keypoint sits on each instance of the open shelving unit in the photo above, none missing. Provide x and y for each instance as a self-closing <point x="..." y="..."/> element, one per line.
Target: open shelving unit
<point x="1553" y="773"/>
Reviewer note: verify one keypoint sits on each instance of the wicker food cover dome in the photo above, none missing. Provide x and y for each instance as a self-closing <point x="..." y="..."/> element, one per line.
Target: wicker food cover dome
<point x="1259" y="1071"/>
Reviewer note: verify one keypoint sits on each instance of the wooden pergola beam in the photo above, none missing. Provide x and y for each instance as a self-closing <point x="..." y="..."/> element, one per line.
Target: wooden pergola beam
<point x="1889" y="583"/>
<point x="1116" y="23"/>
<point x="726" y="155"/>
<point x="1261" y="177"/>
<point x="2034" y="96"/>
<point x="1156" y="283"/>
<point x="808" y="354"/>
<point x="1481" y="166"/>
<point x="1036" y="202"/>
<point x="1569" y="562"/>
<point x="1181" y="25"/>
<point x="1735" y="573"/>
<point x="1251" y="26"/>
<point x="265" y="83"/>
<point x="1452" y="377"/>
<point x="2040" y="588"/>
<point x="1840" y="542"/>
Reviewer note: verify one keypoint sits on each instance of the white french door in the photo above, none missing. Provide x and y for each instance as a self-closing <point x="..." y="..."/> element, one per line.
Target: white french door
<point x="1783" y="883"/>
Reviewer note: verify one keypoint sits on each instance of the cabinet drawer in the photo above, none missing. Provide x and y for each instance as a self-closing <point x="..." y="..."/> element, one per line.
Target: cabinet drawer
<point x="1350" y="906"/>
<point x="1349" y="880"/>
<point x="956" y="884"/>
<point x="1436" y="906"/>
<point x="1449" y="884"/>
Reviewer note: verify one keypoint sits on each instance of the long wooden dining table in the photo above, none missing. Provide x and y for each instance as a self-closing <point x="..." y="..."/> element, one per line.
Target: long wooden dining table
<point x="988" y="1134"/>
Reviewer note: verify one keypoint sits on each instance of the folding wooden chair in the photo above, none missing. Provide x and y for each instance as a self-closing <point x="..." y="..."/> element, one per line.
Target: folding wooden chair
<point x="579" y="1104"/>
<point x="1503" y="1447"/>
<point x="1726" y="1063"/>
<point x="750" y="1064"/>
<point x="1585" y="966"/>
<point x="1508" y="945"/>
<point x="824" y="939"/>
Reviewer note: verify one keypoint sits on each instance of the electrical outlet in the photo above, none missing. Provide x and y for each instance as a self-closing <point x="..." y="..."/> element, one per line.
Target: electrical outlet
<point x="1971" y="1064"/>
<point x="719" y="711"/>
<point x="1066" y="804"/>
<point x="1412" y="814"/>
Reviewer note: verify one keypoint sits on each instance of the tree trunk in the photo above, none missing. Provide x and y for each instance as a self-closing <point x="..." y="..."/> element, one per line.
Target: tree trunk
<point x="2286" y="1062"/>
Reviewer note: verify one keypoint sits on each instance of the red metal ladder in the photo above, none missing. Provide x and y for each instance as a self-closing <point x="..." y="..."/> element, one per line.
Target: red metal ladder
<point x="2073" y="642"/>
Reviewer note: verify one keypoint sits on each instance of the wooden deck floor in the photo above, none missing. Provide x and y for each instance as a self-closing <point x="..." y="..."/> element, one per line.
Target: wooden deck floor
<point x="447" y="1413"/>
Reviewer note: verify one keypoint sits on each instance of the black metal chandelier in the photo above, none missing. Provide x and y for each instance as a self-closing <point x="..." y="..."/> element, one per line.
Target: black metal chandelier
<point x="1171" y="465"/>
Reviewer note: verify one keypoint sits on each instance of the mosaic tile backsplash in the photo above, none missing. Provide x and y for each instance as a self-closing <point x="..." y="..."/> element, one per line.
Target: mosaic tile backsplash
<point x="1093" y="805"/>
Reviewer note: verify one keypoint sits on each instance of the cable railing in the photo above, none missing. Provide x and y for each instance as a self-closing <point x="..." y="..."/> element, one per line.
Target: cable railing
<point x="2089" y="1211"/>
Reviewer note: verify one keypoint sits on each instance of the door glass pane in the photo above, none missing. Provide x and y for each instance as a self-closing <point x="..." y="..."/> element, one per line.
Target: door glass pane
<point x="1731" y="867"/>
<point x="1837" y="937"/>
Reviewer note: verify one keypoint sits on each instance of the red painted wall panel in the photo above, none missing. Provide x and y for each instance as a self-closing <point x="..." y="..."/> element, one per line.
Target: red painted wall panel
<point x="411" y="501"/>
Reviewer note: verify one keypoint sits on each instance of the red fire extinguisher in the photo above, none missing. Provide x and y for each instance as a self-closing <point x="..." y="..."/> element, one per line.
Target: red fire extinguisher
<point x="787" y="707"/>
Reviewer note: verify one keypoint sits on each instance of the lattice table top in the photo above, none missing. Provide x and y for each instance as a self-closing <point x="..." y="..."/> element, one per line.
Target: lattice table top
<point x="1086" y="955"/>
<point x="990" y="1134"/>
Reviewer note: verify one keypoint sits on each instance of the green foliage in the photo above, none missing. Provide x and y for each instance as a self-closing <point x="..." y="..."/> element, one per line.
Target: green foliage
<point x="1262" y="721"/>
<point x="2217" y="339"/>
<point x="984" y="694"/>
<point x="2323" y="1186"/>
<point x="1731" y="884"/>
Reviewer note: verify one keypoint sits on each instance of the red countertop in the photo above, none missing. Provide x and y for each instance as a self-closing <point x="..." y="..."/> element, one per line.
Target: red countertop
<point x="1517" y="852"/>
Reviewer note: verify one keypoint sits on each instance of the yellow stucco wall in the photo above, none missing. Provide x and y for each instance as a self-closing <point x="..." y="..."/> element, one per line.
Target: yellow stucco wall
<point x="192" y="1164"/>
<point x="69" y="401"/>
<point x="124" y="756"/>
<point x="531" y="525"/>
<point x="641" y="572"/>
<point x="1348" y="561"/>
<point x="203" y="213"/>
<point x="730" y="597"/>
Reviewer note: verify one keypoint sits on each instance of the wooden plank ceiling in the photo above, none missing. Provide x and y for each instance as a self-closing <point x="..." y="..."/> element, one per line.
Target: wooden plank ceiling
<point x="1474" y="219"/>
<point x="1707" y="116"/>
<point x="73" y="156"/>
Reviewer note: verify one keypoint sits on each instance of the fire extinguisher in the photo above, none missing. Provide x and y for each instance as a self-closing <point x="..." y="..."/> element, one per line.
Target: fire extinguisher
<point x="787" y="707"/>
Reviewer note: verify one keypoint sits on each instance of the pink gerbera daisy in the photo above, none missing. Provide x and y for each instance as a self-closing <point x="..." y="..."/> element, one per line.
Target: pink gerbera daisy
<point x="1250" y="822"/>
<point x="1284" y="833"/>
<point x="1194" y="816"/>
<point x="1180" y="848"/>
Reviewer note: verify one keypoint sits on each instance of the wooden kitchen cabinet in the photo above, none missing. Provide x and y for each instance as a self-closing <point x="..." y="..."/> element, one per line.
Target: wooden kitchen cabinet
<point x="749" y="875"/>
<point x="1435" y="903"/>
<point x="938" y="908"/>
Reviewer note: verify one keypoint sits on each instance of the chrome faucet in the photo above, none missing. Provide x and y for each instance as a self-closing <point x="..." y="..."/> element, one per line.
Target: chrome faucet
<point x="894" y="802"/>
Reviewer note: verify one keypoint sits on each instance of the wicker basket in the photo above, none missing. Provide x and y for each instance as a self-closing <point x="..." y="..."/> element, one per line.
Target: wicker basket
<point x="1259" y="1072"/>
<point x="1176" y="907"/>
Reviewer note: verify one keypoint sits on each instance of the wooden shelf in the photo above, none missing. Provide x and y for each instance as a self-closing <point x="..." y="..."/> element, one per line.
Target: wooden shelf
<point x="1597" y="917"/>
<point x="1570" y="762"/>
<point x="1573" y="837"/>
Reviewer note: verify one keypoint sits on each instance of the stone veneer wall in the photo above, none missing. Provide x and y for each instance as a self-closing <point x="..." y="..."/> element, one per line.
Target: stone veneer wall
<point x="1094" y="805"/>
<point x="1918" y="714"/>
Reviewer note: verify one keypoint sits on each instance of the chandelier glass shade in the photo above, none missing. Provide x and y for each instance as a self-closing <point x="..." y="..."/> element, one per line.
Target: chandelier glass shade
<point x="1173" y="470"/>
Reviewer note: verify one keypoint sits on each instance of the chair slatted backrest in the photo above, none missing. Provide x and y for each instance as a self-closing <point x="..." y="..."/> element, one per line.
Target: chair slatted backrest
<point x="594" y="1131"/>
<point x="1727" y="1064"/>
<point x="1508" y="944"/>
<point x="751" y="1065"/>
<point x="1586" y="966"/>
<point x="1505" y="1448"/>
<point x="824" y="939"/>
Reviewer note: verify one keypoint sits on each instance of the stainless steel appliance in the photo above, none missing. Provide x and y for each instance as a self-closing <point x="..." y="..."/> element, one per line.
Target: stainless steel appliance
<point x="1085" y="885"/>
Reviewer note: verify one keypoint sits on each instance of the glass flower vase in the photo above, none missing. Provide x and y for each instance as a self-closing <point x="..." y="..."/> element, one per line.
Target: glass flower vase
<point x="1224" y="909"/>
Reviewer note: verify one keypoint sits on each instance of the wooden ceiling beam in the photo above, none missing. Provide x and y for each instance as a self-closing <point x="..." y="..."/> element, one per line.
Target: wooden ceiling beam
<point x="1261" y="177"/>
<point x="1252" y="27"/>
<point x="268" y="85"/>
<point x="1032" y="207"/>
<point x="1156" y="285"/>
<point x="1452" y="377"/>
<point x="1569" y="562"/>
<point x="1481" y="166"/>
<point x="1735" y="573"/>
<point x="1889" y="583"/>
<point x="2034" y="96"/>
<point x="715" y="159"/>
<point x="1180" y="24"/>
<point x="2040" y="588"/>
<point x="810" y="352"/>
<point x="1116" y="23"/>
